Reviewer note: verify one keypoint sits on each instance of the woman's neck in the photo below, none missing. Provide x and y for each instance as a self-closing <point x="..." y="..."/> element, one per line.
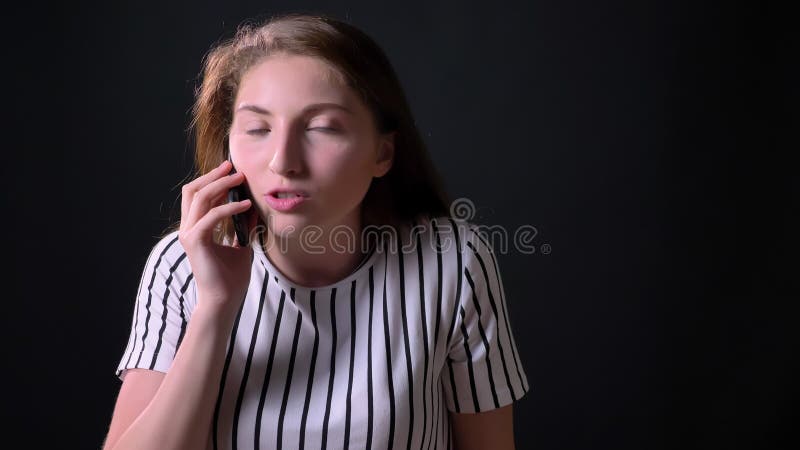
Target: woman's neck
<point x="316" y="266"/>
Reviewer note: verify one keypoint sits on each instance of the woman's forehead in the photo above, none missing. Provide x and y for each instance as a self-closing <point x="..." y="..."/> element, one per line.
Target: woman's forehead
<point x="311" y="80"/>
<point x="298" y="67"/>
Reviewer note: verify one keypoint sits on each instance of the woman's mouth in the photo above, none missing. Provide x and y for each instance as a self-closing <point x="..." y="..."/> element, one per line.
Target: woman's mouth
<point x="285" y="201"/>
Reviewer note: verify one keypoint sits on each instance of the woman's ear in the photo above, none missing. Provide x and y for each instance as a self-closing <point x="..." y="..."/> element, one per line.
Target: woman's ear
<point x="385" y="154"/>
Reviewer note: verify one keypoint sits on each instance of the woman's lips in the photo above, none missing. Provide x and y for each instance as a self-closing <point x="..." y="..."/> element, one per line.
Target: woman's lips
<point x="284" y="204"/>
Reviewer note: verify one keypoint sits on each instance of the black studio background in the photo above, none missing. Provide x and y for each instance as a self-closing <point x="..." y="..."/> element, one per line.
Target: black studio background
<point x="649" y="143"/>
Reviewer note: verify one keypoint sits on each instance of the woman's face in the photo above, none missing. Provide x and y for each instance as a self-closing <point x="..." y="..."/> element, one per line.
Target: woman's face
<point x="282" y="138"/>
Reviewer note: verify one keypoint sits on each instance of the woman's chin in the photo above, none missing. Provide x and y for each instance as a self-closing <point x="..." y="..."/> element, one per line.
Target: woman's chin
<point x="287" y="225"/>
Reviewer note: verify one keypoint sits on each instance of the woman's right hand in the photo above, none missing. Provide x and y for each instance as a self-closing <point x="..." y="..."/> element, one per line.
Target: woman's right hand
<point x="221" y="273"/>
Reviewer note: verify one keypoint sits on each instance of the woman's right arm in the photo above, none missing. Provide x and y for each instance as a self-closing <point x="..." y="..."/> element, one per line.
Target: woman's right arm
<point x="174" y="410"/>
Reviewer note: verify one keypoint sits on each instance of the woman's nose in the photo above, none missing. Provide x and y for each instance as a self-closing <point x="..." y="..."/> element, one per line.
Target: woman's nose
<point x="287" y="156"/>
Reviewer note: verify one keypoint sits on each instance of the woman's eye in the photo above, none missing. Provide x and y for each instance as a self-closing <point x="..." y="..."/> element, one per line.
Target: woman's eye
<point x="263" y="131"/>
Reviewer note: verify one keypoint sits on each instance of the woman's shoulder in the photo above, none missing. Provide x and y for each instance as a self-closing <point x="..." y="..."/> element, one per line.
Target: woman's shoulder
<point x="437" y="234"/>
<point x="167" y="250"/>
<point x="168" y="241"/>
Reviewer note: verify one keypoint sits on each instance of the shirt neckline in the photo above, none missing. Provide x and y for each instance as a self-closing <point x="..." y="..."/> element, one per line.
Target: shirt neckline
<point x="284" y="282"/>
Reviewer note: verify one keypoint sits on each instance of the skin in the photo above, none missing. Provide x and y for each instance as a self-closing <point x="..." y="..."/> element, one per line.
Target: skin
<point x="331" y="153"/>
<point x="490" y="430"/>
<point x="158" y="410"/>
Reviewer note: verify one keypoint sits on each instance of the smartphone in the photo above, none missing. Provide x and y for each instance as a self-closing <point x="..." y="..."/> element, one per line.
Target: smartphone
<point x="236" y="194"/>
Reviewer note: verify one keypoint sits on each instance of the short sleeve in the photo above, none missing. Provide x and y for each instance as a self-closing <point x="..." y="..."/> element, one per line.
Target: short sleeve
<point x="483" y="370"/>
<point x="164" y="301"/>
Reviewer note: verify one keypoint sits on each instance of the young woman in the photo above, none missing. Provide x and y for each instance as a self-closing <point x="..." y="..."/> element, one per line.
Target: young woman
<point x="359" y="314"/>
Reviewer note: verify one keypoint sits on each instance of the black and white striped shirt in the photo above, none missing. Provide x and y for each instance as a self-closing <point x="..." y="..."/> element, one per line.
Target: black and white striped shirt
<point x="373" y="361"/>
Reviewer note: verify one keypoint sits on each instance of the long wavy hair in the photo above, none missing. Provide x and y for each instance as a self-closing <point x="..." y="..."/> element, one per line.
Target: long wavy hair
<point x="410" y="190"/>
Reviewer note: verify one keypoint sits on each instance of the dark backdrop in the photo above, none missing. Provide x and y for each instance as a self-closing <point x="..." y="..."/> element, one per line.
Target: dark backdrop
<point x="647" y="142"/>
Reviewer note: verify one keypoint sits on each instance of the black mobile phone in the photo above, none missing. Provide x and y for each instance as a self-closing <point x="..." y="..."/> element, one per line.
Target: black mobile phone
<point x="236" y="194"/>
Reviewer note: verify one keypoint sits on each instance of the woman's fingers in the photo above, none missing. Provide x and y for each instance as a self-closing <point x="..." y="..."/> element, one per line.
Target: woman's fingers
<point x="211" y="195"/>
<point x="217" y="213"/>
<point x="190" y="189"/>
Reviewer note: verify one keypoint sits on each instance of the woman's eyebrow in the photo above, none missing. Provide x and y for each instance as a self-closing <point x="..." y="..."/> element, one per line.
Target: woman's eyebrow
<point x="313" y="107"/>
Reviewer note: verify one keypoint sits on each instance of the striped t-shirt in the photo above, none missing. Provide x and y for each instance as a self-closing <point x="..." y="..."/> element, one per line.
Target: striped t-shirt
<point x="374" y="361"/>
